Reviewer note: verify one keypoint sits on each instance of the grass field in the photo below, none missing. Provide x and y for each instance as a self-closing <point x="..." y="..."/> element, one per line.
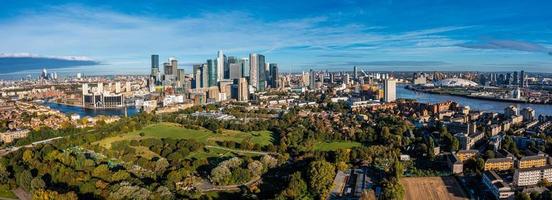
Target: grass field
<point x="6" y="192"/>
<point x="170" y="130"/>
<point x="330" y="146"/>
<point x="432" y="188"/>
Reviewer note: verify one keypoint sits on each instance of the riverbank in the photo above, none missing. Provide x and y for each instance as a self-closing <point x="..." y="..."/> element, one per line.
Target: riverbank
<point x="474" y="104"/>
<point x="82" y="111"/>
<point x="476" y="97"/>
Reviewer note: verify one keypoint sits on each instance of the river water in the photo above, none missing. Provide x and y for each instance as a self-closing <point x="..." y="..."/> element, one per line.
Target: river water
<point x="91" y="112"/>
<point x="474" y="104"/>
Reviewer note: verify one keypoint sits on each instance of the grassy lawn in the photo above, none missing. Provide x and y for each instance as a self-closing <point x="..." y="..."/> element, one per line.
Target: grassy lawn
<point x="170" y="130"/>
<point x="330" y="146"/>
<point x="6" y="192"/>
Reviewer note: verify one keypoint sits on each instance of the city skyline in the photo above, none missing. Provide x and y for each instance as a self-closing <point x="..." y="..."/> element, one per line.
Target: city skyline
<point x="335" y="35"/>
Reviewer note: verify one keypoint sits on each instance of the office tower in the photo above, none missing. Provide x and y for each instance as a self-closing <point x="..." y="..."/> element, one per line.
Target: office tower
<point x="274" y="75"/>
<point x="243" y="92"/>
<point x="220" y="64"/>
<point x="235" y="71"/>
<point x="127" y="87"/>
<point x="167" y="69"/>
<point x="212" y="69"/>
<point x="346" y="79"/>
<point x="355" y="73"/>
<point x="197" y="79"/>
<point x="522" y="79"/>
<point x="311" y="79"/>
<point x="257" y="71"/>
<point x="227" y="68"/>
<point x="155" y="68"/>
<point x="245" y="67"/>
<point x="516" y="79"/>
<point x="180" y="75"/>
<point x="389" y="90"/>
<point x="332" y="77"/>
<point x="174" y="65"/>
<point x="204" y="75"/>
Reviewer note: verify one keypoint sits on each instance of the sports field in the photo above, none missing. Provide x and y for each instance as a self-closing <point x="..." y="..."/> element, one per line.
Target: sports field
<point x="432" y="188"/>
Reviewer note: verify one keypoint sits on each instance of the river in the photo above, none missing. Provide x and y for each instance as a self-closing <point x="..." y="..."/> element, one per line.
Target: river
<point x="474" y="104"/>
<point x="91" y="112"/>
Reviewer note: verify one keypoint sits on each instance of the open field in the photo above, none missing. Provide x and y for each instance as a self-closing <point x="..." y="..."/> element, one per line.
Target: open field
<point x="330" y="146"/>
<point x="429" y="188"/>
<point x="169" y="130"/>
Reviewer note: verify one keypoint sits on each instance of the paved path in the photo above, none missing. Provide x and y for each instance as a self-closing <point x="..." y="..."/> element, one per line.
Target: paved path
<point x="242" y="151"/>
<point x="9" y="150"/>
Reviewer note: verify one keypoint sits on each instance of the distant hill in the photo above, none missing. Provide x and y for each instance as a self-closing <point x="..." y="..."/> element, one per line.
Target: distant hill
<point x="15" y="64"/>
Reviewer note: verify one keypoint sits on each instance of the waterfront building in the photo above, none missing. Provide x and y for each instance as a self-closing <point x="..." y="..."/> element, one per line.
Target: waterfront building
<point x="389" y="90"/>
<point x="511" y="111"/>
<point x="528" y="114"/>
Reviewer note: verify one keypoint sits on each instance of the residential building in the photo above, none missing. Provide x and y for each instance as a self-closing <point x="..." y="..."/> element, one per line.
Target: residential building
<point x="497" y="186"/>
<point x="499" y="164"/>
<point x="389" y="90"/>
<point x="532" y="161"/>
<point x="532" y="176"/>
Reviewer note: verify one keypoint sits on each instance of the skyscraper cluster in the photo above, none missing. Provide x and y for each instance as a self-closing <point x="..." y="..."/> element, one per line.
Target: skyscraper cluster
<point x="511" y="79"/>
<point x="222" y="77"/>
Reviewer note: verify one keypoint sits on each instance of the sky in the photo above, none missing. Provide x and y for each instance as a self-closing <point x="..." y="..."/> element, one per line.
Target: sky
<point x="387" y="35"/>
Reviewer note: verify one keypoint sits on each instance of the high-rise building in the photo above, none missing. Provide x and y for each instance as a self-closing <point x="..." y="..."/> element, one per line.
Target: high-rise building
<point x="212" y="68"/>
<point x="197" y="79"/>
<point x="528" y="114"/>
<point x="236" y="70"/>
<point x="274" y="75"/>
<point x="204" y="75"/>
<point x="253" y="70"/>
<point x="355" y="73"/>
<point x="311" y="79"/>
<point x="155" y="68"/>
<point x="243" y="92"/>
<point x="516" y="79"/>
<point x="389" y="90"/>
<point x="522" y="82"/>
<point x="221" y="63"/>
<point x="245" y="67"/>
<point x="257" y="74"/>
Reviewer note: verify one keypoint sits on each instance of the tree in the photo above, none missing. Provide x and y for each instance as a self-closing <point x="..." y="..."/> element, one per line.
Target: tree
<point x="255" y="167"/>
<point x="121" y="175"/>
<point x="102" y="171"/>
<point x="296" y="188"/>
<point x="489" y="154"/>
<point x="321" y="175"/>
<point x="24" y="179"/>
<point x="37" y="183"/>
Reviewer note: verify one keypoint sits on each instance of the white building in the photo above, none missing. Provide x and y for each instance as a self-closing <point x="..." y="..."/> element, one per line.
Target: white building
<point x="532" y="176"/>
<point x="390" y="90"/>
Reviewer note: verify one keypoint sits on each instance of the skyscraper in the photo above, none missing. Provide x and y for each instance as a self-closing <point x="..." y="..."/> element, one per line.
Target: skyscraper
<point x="243" y="92"/>
<point x="236" y="70"/>
<point x="311" y="79"/>
<point x="213" y="73"/>
<point x="221" y="63"/>
<point x="522" y="79"/>
<point x="253" y="70"/>
<point x="389" y="90"/>
<point x="273" y="75"/>
<point x="257" y="67"/>
<point x="155" y="68"/>
<point x="355" y="73"/>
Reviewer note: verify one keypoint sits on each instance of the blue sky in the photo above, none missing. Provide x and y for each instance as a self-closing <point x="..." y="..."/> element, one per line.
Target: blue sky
<point x="374" y="35"/>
